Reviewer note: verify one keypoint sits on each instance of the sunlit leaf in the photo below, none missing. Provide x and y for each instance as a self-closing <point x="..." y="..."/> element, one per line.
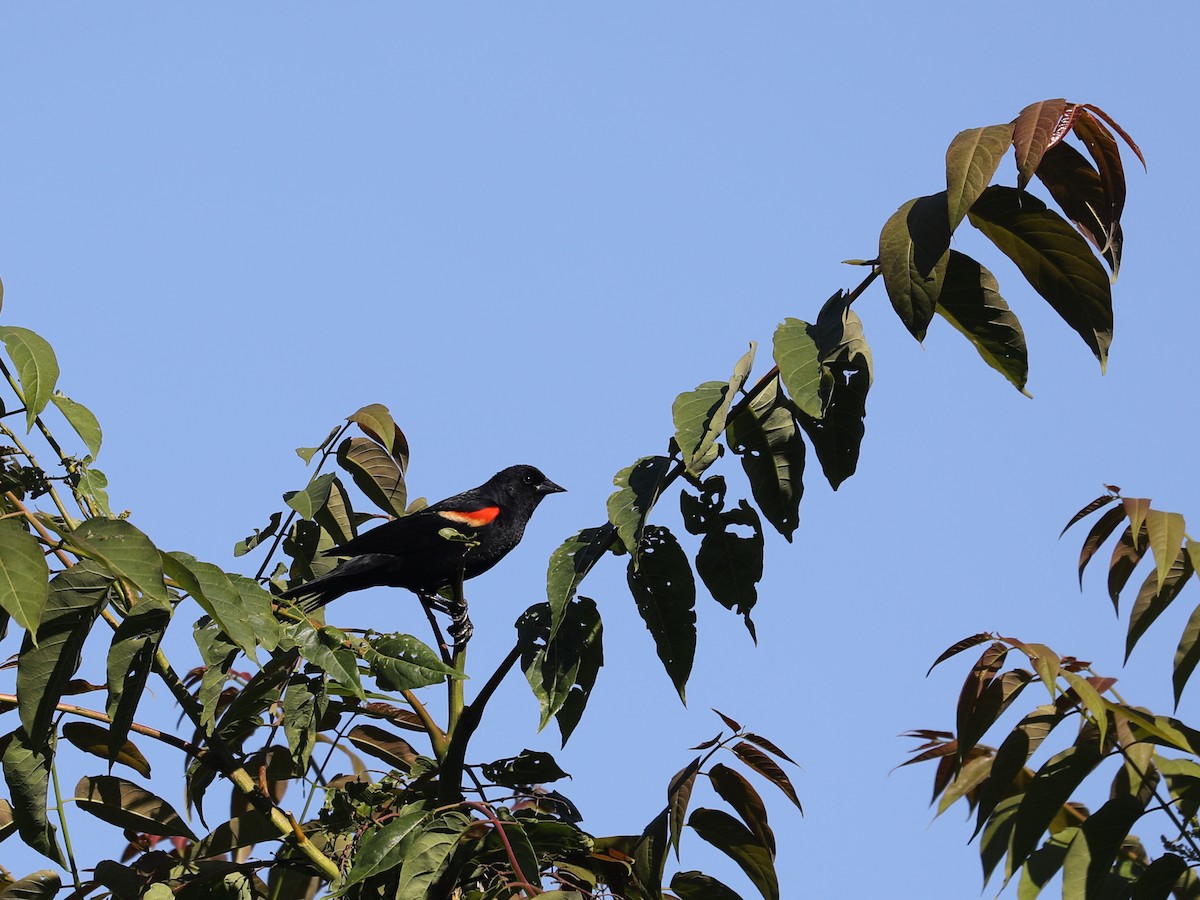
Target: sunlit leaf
<point x="570" y="564"/>
<point x="971" y="160"/>
<point x="665" y="591"/>
<point x="912" y="259"/>
<point x="23" y="575"/>
<point x="260" y="534"/>
<point x="312" y="498"/>
<point x="1008" y="763"/>
<point x="384" y="847"/>
<point x="1166" y="531"/>
<point x="1092" y="853"/>
<point x="1054" y="259"/>
<point x="376" y="422"/>
<point x="375" y="472"/>
<point x="700" y="416"/>
<point x="82" y="420"/>
<point x="1044" y="863"/>
<point x="307" y="453"/>
<point x="94" y="739"/>
<point x="429" y="852"/>
<point x="401" y="662"/>
<point x="217" y="595"/>
<point x="970" y="301"/>
<point x="37" y="368"/>
<point x="1137" y="508"/>
<point x="121" y="549"/>
<point x="1037" y="128"/>
<point x="337" y="515"/>
<point x="638" y="487"/>
<point x="965" y="782"/>
<point x="799" y="360"/>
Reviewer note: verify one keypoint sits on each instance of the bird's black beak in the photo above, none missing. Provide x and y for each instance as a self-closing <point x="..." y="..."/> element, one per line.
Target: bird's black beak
<point x="549" y="487"/>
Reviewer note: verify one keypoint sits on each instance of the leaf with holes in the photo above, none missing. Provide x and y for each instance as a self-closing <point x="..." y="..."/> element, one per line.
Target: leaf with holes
<point x="569" y="565"/>
<point x="764" y="435"/>
<point x="665" y="592"/>
<point x="638" y="487"/>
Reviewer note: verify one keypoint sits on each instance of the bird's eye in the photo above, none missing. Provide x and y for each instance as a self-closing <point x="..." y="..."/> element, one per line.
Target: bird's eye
<point x="528" y="479"/>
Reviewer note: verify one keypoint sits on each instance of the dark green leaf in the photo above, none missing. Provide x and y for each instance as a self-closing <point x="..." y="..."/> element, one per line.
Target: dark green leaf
<point x="249" y="543"/>
<point x="1054" y="259"/>
<point x="43" y="671"/>
<point x="326" y="649"/>
<point x="375" y="472"/>
<point x="401" y="662"/>
<point x="1099" y="533"/>
<point x="304" y="705"/>
<point x="562" y="671"/>
<point x="799" y="360"/>
<point x="665" y="592"/>
<point x="26" y="770"/>
<point x="37" y="368"/>
<point x="312" y="498"/>
<point x="246" y="830"/>
<point x="912" y="259"/>
<point x="428" y="854"/>
<point x="736" y="841"/>
<point x="337" y="516"/>
<point x="732" y="565"/>
<point x="638" y="487"/>
<point x="694" y="885"/>
<point x="383" y="848"/>
<point x="1188" y="652"/>
<point x="307" y="453"/>
<point x="23" y="575"/>
<point x="679" y="794"/>
<point x="650" y="855"/>
<point x="765" y="436"/>
<point x="1098" y="503"/>
<point x="1160" y="878"/>
<point x="1044" y="863"/>
<point x="971" y="302"/>
<point x="996" y="836"/>
<point x="121" y="549"/>
<point x="1091" y="855"/>
<point x="971" y="160"/>
<point x="40" y="885"/>
<point x="126" y="805"/>
<point x="741" y="795"/>
<point x="570" y="564"/>
<point x="82" y="420"/>
<point x="1150" y="602"/>
<point x="94" y="739"/>
<point x="130" y="661"/>
<point x="531" y="767"/>
<point x="1038" y="127"/>
<point x="220" y="598"/>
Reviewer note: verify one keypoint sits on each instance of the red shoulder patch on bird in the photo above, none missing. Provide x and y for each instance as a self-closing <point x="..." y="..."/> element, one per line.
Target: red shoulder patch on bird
<point x="476" y="517"/>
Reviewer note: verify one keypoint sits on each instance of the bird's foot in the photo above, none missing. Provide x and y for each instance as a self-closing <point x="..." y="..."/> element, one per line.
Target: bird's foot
<point x="460" y="628"/>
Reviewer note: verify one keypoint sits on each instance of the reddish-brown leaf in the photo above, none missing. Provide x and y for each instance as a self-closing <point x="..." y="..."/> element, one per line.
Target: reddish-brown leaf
<point x="935" y="752"/>
<point x="1037" y="128"/>
<point x="731" y="723"/>
<point x="1103" y="148"/>
<point x="679" y="794"/>
<point x="965" y="644"/>
<point x="1125" y="557"/>
<point x="1119" y="130"/>
<point x="1100" y="533"/>
<point x="1096" y="504"/>
<point x="768" y="768"/>
<point x="768" y="746"/>
<point x="1076" y="188"/>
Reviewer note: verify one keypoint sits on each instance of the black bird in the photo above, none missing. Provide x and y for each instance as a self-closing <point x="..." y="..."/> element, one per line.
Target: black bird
<point x="418" y="553"/>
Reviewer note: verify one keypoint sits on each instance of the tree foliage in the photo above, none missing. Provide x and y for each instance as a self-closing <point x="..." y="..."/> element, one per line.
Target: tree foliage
<point x="278" y="693"/>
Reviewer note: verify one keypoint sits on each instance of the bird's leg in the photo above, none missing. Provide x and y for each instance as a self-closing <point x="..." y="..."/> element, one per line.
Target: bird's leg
<point x="460" y="628"/>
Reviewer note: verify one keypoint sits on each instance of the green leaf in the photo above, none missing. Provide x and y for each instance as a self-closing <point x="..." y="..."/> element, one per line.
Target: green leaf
<point x="1038" y="127"/>
<point x="129" y="806"/>
<point x="996" y="836"/>
<point x="247" y="544"/>
<point x="570" y="564"/>
<point x="82" y="420"/>
<point x="1054" y="259"/>
<point x="94" y="739"/>
<point x="1092" y="853"/>
<point x="1099" y="533"/>
<point x="26" y="768"/>
<point x="121" y="549"/>
<point x="37" y="368"/>
<point x="765" y="436"/>
<point x="912" y="259"/>
<point x="377" y="423"/>
<point x="305" y="702"/>
<point x="737" y="842"/>
<point x="1166" y="533"/>
<point x="768" y="768"/>
<point x="562" y="671"/>
<point x="307" y="453"/>
<point x="679" y="794"/>
<point x="638" y="487"/>
<point x="1150" y="602"/>
<point x="799" y="360"/>
<point x="94" y="483"/>
<point x="130" y="661"/>
<point x="665" y="592"/>
<point x="1187" y="654"/>
<point x="382" y="848"/>
<point x="312" y="498"/>
<point x="376" y="473"/>
<point x="700" y="416"/>
<point x="24" y="575"/>
<point x="337" y="515"/>
<point x="44" y="670"/>
<point x="429" y="853"/>
<point x="401" y="662"/>
<point x="970" y="301"/>
<point x="529" y="768"/>
<point x="40" y="885"/>
<point x="325" y="648"/>
<point x="224" y="603"/>
<point x="971" y="160"/>
<point x="650" y="856"/>
<point x="694" y="885"/>
<point x="246" y="830"/>
<point x="1044" y="863"/>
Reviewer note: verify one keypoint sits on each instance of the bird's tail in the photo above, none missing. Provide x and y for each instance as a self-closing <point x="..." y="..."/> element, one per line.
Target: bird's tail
<point x="349" y="576"/>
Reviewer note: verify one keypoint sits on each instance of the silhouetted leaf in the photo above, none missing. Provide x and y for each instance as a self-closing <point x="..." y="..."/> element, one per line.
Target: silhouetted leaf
<point x="126" y="805"/>
<point x="1151" y="602"/>
<point x="768" y="746"/>
<point x="700" y="416"/>
<point x="679" y="794"/>
<point x="970" y="301"/>
<point x="375" y="472"/>
<point x="26" y="770"/>
<point x="1037" y="128"/>
<point x="40" y="885"/>
<point x="732" y="565"/>
<point x="741" y="795"/>
<point x="130" y="661"/>
<point x="638" y="487"/>
<point x="799" y="360"/>
<point x="43" y="671"/>
<point x="971" y="160"/>
<point x="737" y="842"/>
<point x="993" y="844"/>
<point x="1075" y="187"/>
<point x="965" y="644"/>
<point x="529" y="768"/>
<point x="974" y="685"/>
<point x="692" y="885"/>
<point x="94" y="739"/>
<point x="912" y="259"/>
<point x="242" y="547"/>
<point x="665" y="592"/>
<point x="995" y="698"/>
<point x="37" y="368"/>
<point x="768" y="768"/>
<point x="246" y="830"/>
<point x="383" y="745"/>
<point x="1098" y="503"/>
<point x="765" y="436"/>
<point x="1054" y="259"/>
<point x="80" y="418"/>
<point x="1188" y="652"/>
<point x="562" y="671"/>
<point x="1100" y="532"/>
<point x="1092" y="853"/>
<point x="1160" y="877"/>
<point x="23" y="575"/>
<point x="570" y="564"/>
<point x="1125" y="557"/>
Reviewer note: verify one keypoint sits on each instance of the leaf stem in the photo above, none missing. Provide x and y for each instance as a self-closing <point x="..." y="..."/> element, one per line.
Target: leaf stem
<point x="62" y="818"/>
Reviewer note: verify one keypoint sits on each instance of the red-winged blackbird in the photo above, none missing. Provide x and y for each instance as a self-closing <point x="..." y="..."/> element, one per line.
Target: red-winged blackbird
<point x="414" y="551"/>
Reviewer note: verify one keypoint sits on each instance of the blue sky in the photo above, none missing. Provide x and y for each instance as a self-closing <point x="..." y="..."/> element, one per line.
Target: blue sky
<point x="525" y="228"/>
